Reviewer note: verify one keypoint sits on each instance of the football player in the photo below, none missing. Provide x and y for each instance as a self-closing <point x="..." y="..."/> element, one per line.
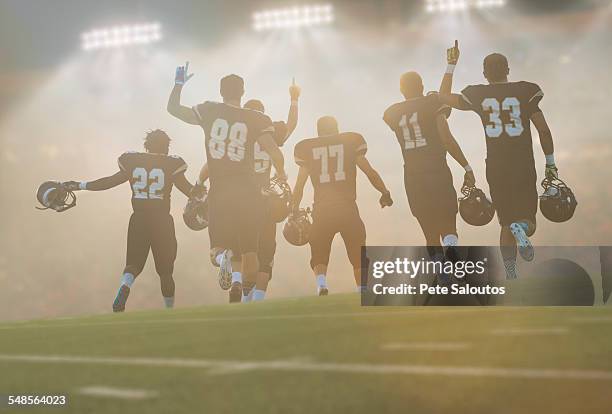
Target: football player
<point x="267" y="230"/>
<point x="331" y="161"/>
<point x="234" y="197"/>
<point x="419" y="123"/>
<point x="507" y="110"/>
<point x="151" y="175"/>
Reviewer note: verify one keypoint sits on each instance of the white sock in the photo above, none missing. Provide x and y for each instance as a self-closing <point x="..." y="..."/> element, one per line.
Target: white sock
<point x="258" y="294"/>
<point x="219" y="259"/>
<point x="236" y="277"/>
<point x="127" y="279"/>
<point x="248" y="297"/>
<point x="450" y="240"/>
<point x="169" y="302"/>
<point x="321" y="282"/>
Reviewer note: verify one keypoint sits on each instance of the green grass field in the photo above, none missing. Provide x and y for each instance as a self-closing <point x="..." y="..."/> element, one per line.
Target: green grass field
<point x="317" y="355"/>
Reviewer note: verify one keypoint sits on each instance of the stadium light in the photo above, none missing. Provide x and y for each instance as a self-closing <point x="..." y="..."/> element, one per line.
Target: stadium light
<point x="433" y="6"/>
<point x="119" y="36"/>
<point x="304" y="16"/>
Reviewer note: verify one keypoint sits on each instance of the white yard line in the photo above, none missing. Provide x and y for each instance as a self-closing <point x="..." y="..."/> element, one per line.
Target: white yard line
<point x="304" y="365"/>
<point x="591" y="319"/>
<point x="120" y="393"/>
<point x="554" y="330"/>
<point x="426" y="346"/>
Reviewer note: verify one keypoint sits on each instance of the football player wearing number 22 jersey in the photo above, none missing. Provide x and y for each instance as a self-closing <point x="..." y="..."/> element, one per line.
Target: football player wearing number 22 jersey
<point x="506" y="110"/>
<point x="152" y="175"/>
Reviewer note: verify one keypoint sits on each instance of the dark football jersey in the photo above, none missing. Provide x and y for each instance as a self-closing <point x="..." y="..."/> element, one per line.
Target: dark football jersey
<point x="263" y="163"/>
<point x="414" y="124"/>
<point x="332" y="164"/>
<point x="505" y="110"/>
<point x="231" y="133"/>
<point x="151" y="178"/>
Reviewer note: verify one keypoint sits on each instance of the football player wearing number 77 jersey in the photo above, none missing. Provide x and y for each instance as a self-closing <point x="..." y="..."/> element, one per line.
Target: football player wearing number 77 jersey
<point x="421" y="129"/>
<point x="506" y="110"/>
<point x="234" y="198"/>
<point x="151" y="174"/>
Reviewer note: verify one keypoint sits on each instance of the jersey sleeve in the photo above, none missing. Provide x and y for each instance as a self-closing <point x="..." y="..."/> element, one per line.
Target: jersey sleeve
<point x="179" y="166"/>
<point x="438" y="107"/>
<point x="201" y="110"/>
<point x="123" y="162"/>
<point x="533" y="96"/>
<point x="300" y="154"/>
<point x="280" y="132"/>
<point x="469" y="95"/>
<point x="361" y="147"/>
<point x="390" y="117"/>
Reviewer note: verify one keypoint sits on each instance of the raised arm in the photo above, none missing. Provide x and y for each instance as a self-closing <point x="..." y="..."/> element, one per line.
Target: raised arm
<point x="100" y="184"/>
<point x="454" y="100"/>
<point x="546" y="141"/>
<point x="292" y="118"/>
<point x="184" y="113"/>
<point x="183" y="184"/>
<point x="267" y="143"/>
<point x="376" y="181"/>
<point x="453" y="148"/>
<point x="298" y="188"/>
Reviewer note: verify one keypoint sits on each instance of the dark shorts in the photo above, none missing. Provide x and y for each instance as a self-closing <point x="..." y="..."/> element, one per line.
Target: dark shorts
<point x="234" y="214"/>
<point x="432" y="196"/>
<point x="327" y="221"/>
<point x="151" y="230"/>
<point x="513" y="192"/>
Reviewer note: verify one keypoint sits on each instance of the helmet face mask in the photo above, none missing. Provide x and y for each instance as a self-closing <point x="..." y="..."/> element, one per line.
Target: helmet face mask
<point x="195" y="214"/>
<point x="277" y="197"/>
<point x="52" y="195"/>
<point x="297" y="228"/>
<point x="475" y="208"/>
<point x="558" y="202"/>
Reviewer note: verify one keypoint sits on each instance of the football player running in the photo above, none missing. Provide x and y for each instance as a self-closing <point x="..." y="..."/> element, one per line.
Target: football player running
<point x="234" y="197"/>
<point x="421" y="129"/>
<point x="506" y="110"/>
<point x="151" y="174"/>
<point x="331" y="161"/>
<point x="267" y="227"/>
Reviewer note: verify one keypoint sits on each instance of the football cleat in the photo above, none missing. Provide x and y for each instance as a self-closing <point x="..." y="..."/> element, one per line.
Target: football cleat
<point x="235" y="293"/>
<point x="278" y="199"/>
<point x="322" y="291"/>
<point x="195" y="214"/>
<point x="558" y="202"/>
<point x="297" y="228"/>
<point x="55" y="196"/>
<point x="522" y="241"/>
<point x="121" y="298"/>
<point x="225" y="271"/>
<point x="475" y="208"/>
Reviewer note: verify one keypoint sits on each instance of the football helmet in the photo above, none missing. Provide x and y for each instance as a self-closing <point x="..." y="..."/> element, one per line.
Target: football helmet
<point x="195" y="214"/>
<point x="558" y="202"/>
<point x="297" y="228"/>
<point x="277" y="197"/>
<point x="55" y="196"/>
<point x="475" y="208"/>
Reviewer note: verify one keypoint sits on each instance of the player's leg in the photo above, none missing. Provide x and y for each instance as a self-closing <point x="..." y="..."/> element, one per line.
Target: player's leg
<point x="220" y="231"/>
<point x="247" y="218"/>
<point x="164" y="247"/>
<point x="138" y="245"/>
<point x="353" y="234"/>
<point x="265" y="255"/>
<point x="321" y="237"/>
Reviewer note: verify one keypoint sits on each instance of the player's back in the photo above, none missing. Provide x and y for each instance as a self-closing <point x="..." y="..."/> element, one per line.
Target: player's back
<point x="151" y="178"/>
<point x="231" y="133"/>
<point x="414" y="122"/>
<point x="332" y="164"/>
<point x="505" y="110"/>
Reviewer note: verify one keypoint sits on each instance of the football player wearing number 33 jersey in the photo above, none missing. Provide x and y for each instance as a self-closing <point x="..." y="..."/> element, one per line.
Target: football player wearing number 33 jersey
<point x="151" y="174"/>
<point x="506" y="110"/>
<point x="234" y="198"/>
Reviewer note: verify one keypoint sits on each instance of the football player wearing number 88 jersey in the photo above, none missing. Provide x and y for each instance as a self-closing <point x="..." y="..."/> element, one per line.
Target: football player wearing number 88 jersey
<point x="152" y="175"/>
<point x="234" y="199"/>
<point x="506" y="110"/>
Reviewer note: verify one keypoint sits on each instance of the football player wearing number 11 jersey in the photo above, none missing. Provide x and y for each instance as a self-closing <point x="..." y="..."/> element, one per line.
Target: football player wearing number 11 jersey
<point x="506" y="110"/>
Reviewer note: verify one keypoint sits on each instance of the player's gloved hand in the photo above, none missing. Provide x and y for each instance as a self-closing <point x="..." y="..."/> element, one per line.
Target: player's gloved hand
<point x="72" y="185"/>
<point x="294" y="91"/>
<point x="182" y="74"/>
<point x="385" y="200"/>
<point x="452" y="54"/>
<point x="198" y="192"/>
<point x="469" y="179"/>
<point x="551" y="172"/>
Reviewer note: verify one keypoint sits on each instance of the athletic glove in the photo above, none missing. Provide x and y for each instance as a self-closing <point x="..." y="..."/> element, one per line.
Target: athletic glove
<point x="294" y="91"/>
<point x="385" y="200"/>
<point x="469" y="180"/>
<point x="198" y="192"/>
<point x="551" y="172"/>
<point x="182" y="74"/>
<point x="72" y="185"/>
<point x="452" y="54"/>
